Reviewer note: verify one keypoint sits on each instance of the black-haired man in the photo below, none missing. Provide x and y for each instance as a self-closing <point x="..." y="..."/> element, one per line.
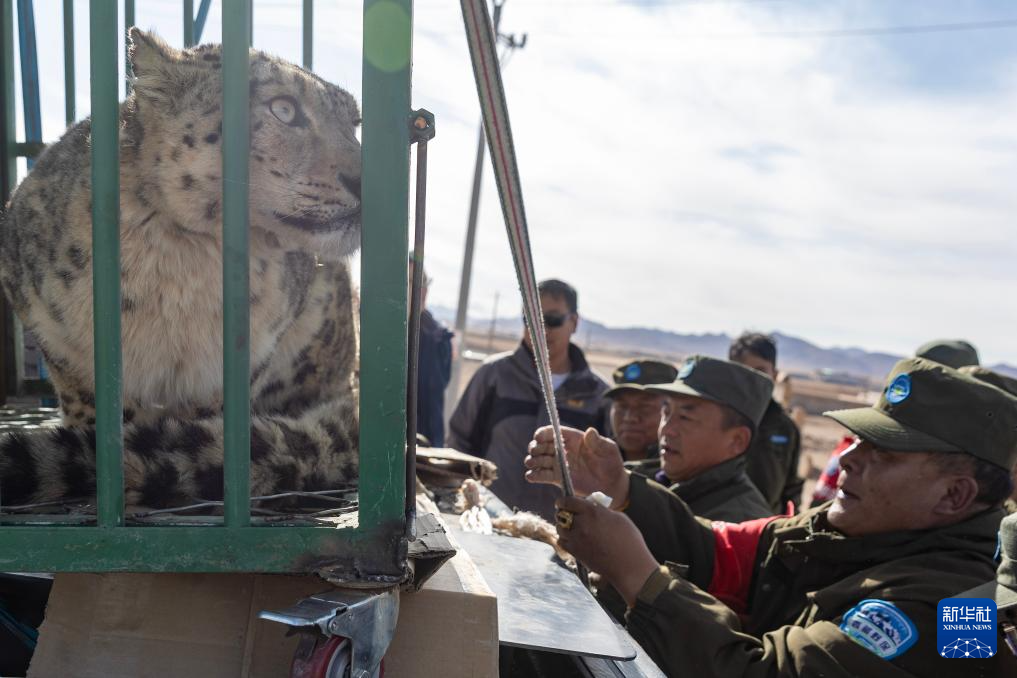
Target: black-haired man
<point x="772" y="460"/>
<point x="502" y="405"/>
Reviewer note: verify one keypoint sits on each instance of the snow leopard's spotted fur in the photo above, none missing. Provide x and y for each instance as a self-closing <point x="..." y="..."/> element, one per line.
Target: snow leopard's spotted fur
<point x="305" y="221"/>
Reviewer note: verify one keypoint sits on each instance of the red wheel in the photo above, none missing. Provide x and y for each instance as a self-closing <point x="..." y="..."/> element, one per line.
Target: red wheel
<point x="321" y="657"/>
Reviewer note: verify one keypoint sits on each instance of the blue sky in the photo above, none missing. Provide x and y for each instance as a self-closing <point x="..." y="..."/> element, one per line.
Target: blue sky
<point x="706" y="166"/>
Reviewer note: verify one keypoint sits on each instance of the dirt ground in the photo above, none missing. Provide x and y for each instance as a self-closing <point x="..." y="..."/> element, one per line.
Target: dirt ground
<point x="820" y="435"/>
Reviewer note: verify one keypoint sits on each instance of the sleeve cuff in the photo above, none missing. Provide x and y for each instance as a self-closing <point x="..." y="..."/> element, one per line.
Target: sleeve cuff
<point x="656" y="583"/>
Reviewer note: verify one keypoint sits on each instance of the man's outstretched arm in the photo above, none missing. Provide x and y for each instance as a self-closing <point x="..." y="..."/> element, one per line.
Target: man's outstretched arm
<point x="688" y="632"/>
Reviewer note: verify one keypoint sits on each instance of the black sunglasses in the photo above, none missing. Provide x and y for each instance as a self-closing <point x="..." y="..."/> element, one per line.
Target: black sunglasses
<point x="553" y="320"/>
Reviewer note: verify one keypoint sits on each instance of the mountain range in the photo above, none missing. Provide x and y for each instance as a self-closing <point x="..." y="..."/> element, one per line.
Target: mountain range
<point x="795" y="355"/>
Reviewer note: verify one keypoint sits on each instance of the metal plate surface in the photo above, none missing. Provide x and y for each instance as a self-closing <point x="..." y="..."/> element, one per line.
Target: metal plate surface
<point x="641" y="667"/>
<point x="540" y="604"/>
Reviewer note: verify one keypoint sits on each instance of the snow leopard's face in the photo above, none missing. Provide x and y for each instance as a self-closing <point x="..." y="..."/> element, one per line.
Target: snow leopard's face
<point x="305" y="157"/>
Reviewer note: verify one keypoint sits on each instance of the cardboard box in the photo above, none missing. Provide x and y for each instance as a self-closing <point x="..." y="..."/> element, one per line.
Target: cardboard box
<point x="448" y="628"/>
<point x="206" y="625"/>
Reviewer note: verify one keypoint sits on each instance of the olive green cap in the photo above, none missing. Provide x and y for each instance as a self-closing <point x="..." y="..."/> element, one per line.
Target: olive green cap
<point x="638" y="374"/>
<point x="929" y="407"/>
<point x="1008" y="384"/>
<point x="953" y="353"/>
<point x="1003" y="589"/>
<point x="743" y="389"/>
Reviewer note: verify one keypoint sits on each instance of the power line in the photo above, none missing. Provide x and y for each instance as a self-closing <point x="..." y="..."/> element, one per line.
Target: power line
<point x="802" y="34"/>
<point x="580" y="4"/>
<point x="893" y="30"/>
<point x="952" y="27"/>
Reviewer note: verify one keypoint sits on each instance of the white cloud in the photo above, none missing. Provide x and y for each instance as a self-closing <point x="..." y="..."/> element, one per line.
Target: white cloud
<point x="882" y="222"/>
<point x="686" y="169"/>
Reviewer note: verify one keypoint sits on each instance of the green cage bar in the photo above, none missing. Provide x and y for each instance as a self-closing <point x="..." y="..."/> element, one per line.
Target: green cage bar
<point x="8" y="175"/>
<point x="10" y="164"/>
<point x="372" y="543"/>
<point x="129" y="21"/>
<point x="236" y="274"/>
<point x="194" y="549"/>
<point x="69" y="95"/>
<point x="106" y="262"/>
<point x="189" y="24"/>
<point x="308" y="34"/>
<point x="385" y="196"/>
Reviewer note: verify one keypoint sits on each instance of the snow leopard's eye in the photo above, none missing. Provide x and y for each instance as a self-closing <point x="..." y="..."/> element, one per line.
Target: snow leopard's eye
<point x="287" y="110"/>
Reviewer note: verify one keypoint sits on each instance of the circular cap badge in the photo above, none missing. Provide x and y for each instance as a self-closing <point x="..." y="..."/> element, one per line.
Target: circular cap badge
<point x="686" y="369"/>
<point x="632" y="372"/>
<point x="899" y="389"/>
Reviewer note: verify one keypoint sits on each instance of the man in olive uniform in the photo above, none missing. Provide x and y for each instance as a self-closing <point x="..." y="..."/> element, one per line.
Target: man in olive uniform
<point x="707" y="419"/>
<point x="772" y="461"/>
<point x="1003" y="589"/>
<point x="955" y="353"/>
<point x="635" y="412"/>
<point x="847" y="589"/>
<point x="1008" y="384"/>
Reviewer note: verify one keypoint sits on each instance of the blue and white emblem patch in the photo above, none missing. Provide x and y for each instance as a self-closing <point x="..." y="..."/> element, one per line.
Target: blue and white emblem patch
<point x="778" y="439"/>
<point x="686" y="369"/>
<point x="899" y="389"/>
<point x="632" y="372"/>
<point x="880" y="627"/>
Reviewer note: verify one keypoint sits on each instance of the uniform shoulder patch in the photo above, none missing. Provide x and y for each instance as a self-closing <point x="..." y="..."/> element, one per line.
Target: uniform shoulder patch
<point x="879" y="627"/>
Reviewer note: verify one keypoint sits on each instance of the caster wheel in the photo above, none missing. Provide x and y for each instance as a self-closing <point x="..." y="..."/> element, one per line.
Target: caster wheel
<point x="321" y="657"/>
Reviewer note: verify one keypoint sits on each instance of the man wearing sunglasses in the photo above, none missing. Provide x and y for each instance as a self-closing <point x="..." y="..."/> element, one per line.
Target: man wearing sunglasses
<point x="502" y="405"/>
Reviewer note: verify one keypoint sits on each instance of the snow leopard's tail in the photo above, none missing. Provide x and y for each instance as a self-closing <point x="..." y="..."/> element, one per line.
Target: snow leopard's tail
<point x="175" y="463"/>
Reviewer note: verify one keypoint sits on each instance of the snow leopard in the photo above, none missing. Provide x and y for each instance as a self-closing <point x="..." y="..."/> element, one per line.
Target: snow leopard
<point x="304" y="225"/>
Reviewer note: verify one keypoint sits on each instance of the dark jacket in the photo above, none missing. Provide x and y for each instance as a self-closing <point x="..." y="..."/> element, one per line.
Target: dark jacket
<point x="773" y="459"/>
<point x="794" y="589"/>
<point x="501" y="408"/>
<point x="649" y="466"/>
<point x="433" y="372"/>
<point x="722" y="492"/>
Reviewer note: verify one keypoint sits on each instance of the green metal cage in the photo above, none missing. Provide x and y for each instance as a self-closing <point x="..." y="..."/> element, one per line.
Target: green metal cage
<point x="370" y="546"/>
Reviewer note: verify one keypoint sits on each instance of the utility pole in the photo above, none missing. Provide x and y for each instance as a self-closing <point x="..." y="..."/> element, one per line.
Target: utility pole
<point x="452" y="391"/>
<point x="494" y="323"/>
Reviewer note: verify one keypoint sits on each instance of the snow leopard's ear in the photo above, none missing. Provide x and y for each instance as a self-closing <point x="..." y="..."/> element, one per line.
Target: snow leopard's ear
<point x="150" y="54"/>
<point x="159" y="69"/>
